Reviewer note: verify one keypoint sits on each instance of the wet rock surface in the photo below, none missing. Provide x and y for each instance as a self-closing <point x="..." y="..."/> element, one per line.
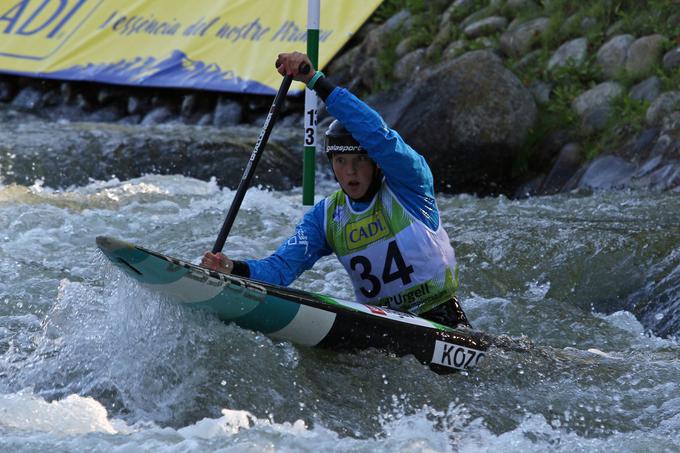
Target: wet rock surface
<point x="467" y="120"/>
<point x="74" y="153"/>
<point x="471" y="134"/>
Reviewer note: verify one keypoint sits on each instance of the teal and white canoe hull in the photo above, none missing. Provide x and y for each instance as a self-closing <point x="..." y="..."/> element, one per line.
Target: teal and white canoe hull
<point x="297" y="316"/>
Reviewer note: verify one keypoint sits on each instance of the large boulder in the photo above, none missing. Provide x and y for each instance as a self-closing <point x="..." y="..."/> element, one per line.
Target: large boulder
<point x="468" y="117"/>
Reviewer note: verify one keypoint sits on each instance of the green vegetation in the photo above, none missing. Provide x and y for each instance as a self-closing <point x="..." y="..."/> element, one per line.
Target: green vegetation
<point x="387" y="58"/>
<point x="421" y="32"/>
<point x="669" y="81"/>
<point x="638" y="17"/>
<point x="597" y="21"/>
<point x="627" y="118"/>
<point x="425" y="27"/>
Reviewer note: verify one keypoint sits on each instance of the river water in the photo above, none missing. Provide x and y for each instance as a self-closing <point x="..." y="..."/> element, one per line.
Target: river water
<point x="89" y="361"/>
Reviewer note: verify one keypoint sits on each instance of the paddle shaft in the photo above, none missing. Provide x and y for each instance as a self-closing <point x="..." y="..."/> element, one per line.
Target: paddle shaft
<point x="254" y="158"/>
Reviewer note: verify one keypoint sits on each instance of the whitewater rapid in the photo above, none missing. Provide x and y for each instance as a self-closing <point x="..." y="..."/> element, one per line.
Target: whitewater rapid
<point x="89" y="361"/>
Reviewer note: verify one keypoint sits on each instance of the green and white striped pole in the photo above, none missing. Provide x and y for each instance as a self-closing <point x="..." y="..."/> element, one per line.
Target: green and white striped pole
<point x="309" y="156"/>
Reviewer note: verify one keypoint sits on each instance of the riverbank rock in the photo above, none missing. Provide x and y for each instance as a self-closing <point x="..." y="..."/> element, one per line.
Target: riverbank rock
<point x="607" y="172"/>
<point x="662" y="107"/>
<point x="566" y="166"/>
<point x="647" y="90"/>
<point x="485" y="27"/>
<point x="671" y="59"/>
<point x="227" y="113"/>
<point x="651" y="161"/>
<point x="596" y="98"/>
<point x="28" y="98"/>
<point x="571" y="52"/>
<point x="469" y="127"/>
<point x="518" y="40"/>
<point x="643" y="54"/>
<point x="612" y="55"/>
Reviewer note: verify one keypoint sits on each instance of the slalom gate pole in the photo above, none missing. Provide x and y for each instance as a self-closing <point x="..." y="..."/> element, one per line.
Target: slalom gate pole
<point x="309" y="156"/>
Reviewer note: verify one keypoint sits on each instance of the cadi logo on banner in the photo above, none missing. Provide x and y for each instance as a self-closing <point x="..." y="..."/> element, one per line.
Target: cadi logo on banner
<point x="51" y="22"/>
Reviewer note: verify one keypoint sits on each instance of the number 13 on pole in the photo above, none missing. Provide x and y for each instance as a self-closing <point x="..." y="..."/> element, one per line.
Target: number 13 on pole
<point x="309" y="157"/>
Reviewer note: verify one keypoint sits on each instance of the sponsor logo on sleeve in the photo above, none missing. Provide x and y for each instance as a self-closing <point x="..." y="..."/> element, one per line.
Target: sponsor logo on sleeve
<point x="300" y="238"/>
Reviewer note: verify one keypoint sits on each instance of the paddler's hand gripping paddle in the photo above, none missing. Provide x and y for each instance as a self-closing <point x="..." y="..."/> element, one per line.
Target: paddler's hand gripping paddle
<point x="254" y="158"/>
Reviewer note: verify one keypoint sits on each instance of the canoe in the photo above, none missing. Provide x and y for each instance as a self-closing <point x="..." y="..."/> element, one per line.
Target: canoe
<point x="301" y="317"/>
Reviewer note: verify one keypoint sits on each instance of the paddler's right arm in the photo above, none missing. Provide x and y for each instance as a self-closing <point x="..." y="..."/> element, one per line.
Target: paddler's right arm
<point x="296" y="254"/>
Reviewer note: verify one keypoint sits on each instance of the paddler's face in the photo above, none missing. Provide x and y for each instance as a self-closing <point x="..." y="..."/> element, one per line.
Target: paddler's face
<point x="354" y="173"/>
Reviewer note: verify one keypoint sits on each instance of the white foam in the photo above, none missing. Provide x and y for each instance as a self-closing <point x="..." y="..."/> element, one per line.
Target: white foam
<point x="600" y="353"/>
<point x="535" y="433"/>
<point x="72" y="415"/>
<point x="106" y="333"/>
<point x="64" y="423"/>
<point x="537" y="291"/>
<point x="625" y="320"/>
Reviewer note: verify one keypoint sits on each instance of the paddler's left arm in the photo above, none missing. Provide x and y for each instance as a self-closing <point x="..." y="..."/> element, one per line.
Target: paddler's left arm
<point x="406" y="172"/>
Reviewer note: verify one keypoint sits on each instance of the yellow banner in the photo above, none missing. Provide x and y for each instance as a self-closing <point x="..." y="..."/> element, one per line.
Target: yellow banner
<point x="224" y="45"/>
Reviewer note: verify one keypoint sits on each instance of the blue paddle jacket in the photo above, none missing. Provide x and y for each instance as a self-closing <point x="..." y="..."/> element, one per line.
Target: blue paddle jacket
<point x="405" y="172"/>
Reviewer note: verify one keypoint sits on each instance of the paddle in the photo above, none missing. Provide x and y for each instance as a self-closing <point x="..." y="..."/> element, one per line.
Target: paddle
<point x="254" y="158"/>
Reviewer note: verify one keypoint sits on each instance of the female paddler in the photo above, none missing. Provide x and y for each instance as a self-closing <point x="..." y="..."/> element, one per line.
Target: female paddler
<point x="383" y="224"/>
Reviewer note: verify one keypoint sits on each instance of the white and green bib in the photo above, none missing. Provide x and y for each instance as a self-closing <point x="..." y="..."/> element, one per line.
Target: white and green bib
<point x="393" y="259"/>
